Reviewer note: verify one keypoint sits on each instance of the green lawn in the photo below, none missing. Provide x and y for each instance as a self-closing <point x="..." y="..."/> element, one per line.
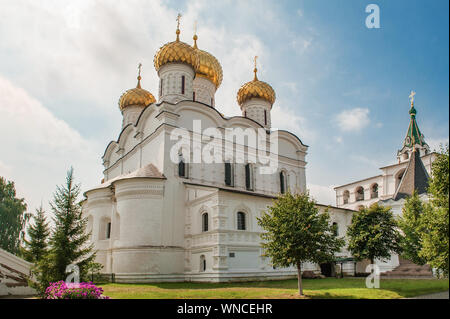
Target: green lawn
<point x="348" y="288"/>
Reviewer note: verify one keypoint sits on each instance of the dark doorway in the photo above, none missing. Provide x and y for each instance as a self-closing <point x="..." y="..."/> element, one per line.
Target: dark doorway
<point x="327" y="269"/>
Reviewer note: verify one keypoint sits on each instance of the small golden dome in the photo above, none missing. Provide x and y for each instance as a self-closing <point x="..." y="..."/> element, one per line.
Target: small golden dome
<point x="209" y="67"/>
<point x="137" y="96"/>
<point x="176" y="52"/>
<point x="256" y="88"/>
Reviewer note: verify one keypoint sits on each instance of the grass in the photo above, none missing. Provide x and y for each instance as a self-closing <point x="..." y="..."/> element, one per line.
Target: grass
<point x="346" y="288"/>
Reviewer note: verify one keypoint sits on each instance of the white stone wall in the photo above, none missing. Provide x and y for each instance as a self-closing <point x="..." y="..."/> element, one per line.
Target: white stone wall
<point x="204" y="90"/>
<point x="254" y="109"/>
<point x="171" y="76"/>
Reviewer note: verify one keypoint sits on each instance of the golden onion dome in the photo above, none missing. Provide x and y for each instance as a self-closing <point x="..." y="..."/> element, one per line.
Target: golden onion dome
<point x="176" y="52"/>
<point x="136" y="96"/>
<point x="209" y="67"/>
<point x="256" y="89"/>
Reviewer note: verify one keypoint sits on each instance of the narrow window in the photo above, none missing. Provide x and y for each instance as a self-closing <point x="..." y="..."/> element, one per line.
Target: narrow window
<point x="212" y="102"/>
<point x="193" y="96"/>
<point x="228" y="174"/>
<point x="282" y="183"/>
<point x="205" y="222"/>
<point x="245" y="113"/>
<point x="182" y="84"/>
<point x="161" y="87"/>
<point x="202" y="263"/>
<point x="108" y="231"/>
<point x="181" y="168"/>
<point x="265" y="117"/>
<point x="241" y="221"/>
<point x="248" y="177"/>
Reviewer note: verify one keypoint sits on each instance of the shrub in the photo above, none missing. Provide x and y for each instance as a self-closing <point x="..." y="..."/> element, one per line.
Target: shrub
<point x="83" y="290"/>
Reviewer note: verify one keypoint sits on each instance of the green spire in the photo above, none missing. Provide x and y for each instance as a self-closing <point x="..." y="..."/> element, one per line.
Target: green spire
<point x="413" y="135"/>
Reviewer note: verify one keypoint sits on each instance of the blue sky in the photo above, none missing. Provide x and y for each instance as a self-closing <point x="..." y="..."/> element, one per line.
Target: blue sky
<point x="342" y="88"/>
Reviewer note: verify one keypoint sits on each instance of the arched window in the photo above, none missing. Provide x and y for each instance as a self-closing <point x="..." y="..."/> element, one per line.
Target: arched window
<point x="182" y="84"/>
<point x="204" y="222"/>
<point x="374" y="191"/>
<point x="248" y="177"/>
<point x="228" y="174"/>
<point x="241" y="221"/>
<point x="202" y="263"/>
<point x="282" y="182"/>
<point x="346" y="196"/>
<point x="359" y="193"/>
<point x="181" y="167"/>
<point x="335" y="229"/>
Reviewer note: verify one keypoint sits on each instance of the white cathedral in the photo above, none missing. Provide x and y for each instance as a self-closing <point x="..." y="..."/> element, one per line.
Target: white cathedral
<point x="154" y="218"/>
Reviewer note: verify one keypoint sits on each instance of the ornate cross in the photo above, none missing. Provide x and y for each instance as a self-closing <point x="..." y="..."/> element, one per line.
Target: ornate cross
<point x="411" y="97"/>
<point x="140" y="68"/>
<point x="195" y="27"/>
<point x="178" y="20"/>
<point x="256" y="57"/>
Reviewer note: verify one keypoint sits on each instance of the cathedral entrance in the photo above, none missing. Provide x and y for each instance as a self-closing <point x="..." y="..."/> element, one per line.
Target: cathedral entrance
<point x="327" y="269"/>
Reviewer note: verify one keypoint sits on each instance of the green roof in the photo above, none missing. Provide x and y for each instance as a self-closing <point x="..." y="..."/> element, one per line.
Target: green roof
<point x="413" y="135"/>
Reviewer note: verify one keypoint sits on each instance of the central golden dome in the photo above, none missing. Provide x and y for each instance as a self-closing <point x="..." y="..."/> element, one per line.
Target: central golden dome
<point x="209" y="67"/>
<point x="176" y="52"/>
<point x="256" y="89"/>
<point x="136" y="96"/>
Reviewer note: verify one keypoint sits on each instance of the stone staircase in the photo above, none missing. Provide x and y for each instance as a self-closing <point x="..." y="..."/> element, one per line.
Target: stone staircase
<point x="408" y="269"/>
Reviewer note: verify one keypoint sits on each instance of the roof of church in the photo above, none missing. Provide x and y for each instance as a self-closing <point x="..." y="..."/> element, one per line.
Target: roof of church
<point x="414" y="178"/>
<point x="148" y="171"/>
<point x="413" y="135"/>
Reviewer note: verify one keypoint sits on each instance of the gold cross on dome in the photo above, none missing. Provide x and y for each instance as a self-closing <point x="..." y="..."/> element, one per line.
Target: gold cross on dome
<point x="140" y="68"/>
<point x="411" y="97"/>
<point x="255" y="58"/>
<point x="178" y="20"/>
<point x="195" y="27"/>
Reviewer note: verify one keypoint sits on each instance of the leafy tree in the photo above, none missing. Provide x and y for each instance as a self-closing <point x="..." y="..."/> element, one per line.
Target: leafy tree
<point x="296" y="233"/>
<point x="12" y="217"/>
<point x="373" y="234"/>
<point x="69" y="241"/>
<point x="36" y="247"/>
<point x="410" y="223"/>
<point x="435" y="222"/>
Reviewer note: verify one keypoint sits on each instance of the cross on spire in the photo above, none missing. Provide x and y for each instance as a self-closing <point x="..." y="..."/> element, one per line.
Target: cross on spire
<point x="178" y="26"/>
<point x="255" y="70"/>
<point x="411" y="97"/>
<point x="139" y="76"/>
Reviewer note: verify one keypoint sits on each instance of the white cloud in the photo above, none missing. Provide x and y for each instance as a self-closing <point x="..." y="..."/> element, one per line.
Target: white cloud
<point x="353" y="119"/>
<point x="435" y="143"/>
<point x="38" y="148"/>
<point x="285" y="119"/>
<point x="323" y="194"/>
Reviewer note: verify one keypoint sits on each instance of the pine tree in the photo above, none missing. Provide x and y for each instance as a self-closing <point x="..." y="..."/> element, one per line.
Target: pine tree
<point x="36" y="248"/>
<point x="296" y="232"/>
<point x="410" y="223"/>
<point x="13" y="217"/>
<point x="435" y="221"/>
<point x="373" y="234"/>
<point x="69" y="241"/>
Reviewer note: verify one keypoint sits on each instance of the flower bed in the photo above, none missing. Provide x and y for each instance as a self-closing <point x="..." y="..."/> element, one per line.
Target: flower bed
<point x="83" y="290"/>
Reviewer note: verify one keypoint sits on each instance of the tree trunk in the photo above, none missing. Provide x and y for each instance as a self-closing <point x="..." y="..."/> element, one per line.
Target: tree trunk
<point x="299" y="278"/>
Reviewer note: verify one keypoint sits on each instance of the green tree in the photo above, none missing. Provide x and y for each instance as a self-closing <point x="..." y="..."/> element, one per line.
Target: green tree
<point x="69" y="241"/>
<point x="373" y="234"/>
<point x="36" y="247"/>
<point x="13" y="217"/>
<point x="296" y="232"/>
<point x="410" y="223"/>
<point x="435" y="222"/>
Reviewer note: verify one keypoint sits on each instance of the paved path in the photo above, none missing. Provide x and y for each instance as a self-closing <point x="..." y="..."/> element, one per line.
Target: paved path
<point x="437" y="295"/>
